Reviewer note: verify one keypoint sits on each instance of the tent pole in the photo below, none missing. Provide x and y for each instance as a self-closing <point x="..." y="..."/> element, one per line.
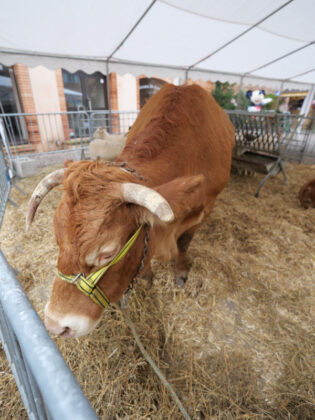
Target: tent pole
<point x="278" y="98"/>
<point x="108" y="86"/>
<point x="307" y="103"/>
<point x="186" y="76"/>
<point x="239" y="91"/>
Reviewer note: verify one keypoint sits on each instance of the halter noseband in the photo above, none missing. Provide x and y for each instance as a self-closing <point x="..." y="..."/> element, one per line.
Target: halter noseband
<point x="88" y="284"/>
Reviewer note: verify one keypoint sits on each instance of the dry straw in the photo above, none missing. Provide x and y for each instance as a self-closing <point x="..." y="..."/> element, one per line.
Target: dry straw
<point x="236" y="343"/>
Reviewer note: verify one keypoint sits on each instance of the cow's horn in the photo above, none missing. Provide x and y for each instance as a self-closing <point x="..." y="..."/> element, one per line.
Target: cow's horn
<point x="46" y="184"/>
<point x="148" y="198"/>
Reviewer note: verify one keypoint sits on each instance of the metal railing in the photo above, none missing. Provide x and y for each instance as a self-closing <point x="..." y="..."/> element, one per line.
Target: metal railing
<point x="290" y="136"/>
<point x="47" y="387"/>
<point x="37" y="134"/>
<point x="40" y="134"/>
<point x="5" y="183"/>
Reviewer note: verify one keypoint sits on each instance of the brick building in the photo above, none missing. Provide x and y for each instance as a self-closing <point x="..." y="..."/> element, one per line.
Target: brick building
<point x="40" y="90"/>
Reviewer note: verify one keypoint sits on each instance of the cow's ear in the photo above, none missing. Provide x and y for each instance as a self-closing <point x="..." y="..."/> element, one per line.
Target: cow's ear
<point x="185" y="196"/>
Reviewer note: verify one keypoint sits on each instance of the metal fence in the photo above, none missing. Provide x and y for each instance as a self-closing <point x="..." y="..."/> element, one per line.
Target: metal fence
<point x="4" y="183"/>
<point x="37" y="134"/>
<point x="42" y="134"/>
<point x="47" y="387"/>
<point x="290" y="136"/>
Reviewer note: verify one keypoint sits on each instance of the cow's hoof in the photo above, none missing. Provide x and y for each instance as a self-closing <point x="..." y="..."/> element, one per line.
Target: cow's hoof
<point x="180" y="280"/>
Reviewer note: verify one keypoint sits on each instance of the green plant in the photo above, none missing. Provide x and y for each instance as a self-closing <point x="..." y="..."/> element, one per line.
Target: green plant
<point x="224" y="93"/>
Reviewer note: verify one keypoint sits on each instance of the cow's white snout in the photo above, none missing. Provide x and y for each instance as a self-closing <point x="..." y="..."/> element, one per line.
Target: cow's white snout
<point x="68" y="326"/>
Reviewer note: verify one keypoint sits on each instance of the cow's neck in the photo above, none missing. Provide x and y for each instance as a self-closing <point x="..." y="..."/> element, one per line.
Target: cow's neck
<point x="124" y="166"/>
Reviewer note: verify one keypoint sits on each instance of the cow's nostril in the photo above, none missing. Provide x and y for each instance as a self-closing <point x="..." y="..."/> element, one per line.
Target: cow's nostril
<point x="67" y="332"/>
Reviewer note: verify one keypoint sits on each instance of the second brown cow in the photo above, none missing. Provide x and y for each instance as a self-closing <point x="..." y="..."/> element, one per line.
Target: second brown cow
<point x="307" y="194"/>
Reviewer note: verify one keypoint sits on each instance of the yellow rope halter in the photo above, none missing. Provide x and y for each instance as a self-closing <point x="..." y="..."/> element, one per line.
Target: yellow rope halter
<point x="88" y="284"/>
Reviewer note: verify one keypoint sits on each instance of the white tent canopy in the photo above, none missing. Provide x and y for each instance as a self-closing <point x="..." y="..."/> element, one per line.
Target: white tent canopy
<point x="268" y="42"/>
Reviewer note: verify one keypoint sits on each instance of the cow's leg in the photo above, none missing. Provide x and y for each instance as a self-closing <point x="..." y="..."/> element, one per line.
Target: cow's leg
<point x="181" y="265"/>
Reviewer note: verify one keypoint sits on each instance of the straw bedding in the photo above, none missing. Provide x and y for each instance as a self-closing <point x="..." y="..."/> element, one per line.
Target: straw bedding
<point x="236" y="342"/>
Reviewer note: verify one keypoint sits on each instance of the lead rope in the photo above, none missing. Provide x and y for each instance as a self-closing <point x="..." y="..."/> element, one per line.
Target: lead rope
<point x="154" y="366"/>
<point x="125" y="298"/>
<point x="123" y="308"/>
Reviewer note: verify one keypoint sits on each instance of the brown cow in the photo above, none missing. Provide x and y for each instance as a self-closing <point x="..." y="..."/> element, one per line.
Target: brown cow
<point x="178" y="156"/>
<point x="307" y="194"/>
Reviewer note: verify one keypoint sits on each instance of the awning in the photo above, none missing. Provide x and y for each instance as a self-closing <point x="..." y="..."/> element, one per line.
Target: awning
<point x="261" y="42"/>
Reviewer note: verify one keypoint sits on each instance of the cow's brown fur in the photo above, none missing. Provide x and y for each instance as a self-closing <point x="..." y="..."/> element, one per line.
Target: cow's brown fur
<point x="307" y="194"/>
<point x="181" y="144"/>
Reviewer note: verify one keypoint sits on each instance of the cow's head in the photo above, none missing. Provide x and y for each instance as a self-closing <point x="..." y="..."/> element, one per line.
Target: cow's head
<point x="101" y="208"/>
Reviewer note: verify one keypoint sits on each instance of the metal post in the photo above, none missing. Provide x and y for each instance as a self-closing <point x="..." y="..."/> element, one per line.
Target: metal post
<point x="307" y="103"/>
<point x="186" y="76"/>
<point x="108" y="96"/>
<point x="62" y="395"/>
<point x="278" y="98"/>
<point x="239" y="91"/>
<point x="108" y="86"/>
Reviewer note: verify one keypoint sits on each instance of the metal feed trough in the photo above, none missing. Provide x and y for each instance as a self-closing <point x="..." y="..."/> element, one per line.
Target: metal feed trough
<point x="264" y="141"/>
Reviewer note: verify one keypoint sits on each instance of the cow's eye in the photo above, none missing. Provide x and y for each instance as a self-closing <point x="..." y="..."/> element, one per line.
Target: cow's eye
<point x="105" y="256"/>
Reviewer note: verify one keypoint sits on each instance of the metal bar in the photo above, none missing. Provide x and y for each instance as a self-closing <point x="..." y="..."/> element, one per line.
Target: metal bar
<point x="33" y="136"/>
<point x="38" y="401"/>
<point x="303" y="74"/>
<point x="49" y="55"/>
<point x="197" y="69"/>
<point x="278" y="98"/>
<point x="57" y="129"/>
<point x="5" y="141"/>
<point x="28" y="114"/>
<point x="109" y="105"/>
<point x="281" y="58"/>
<point x="241" y="34"/>
<point x="51" y="131"/>
<point x="307" y="103"/>
<point x="62" y="394"/>
<point x="129" y="62"/>
<point x="239" y="91"/>
<point x="45" y="128"/>
<point x="16" y="363"/>
<point x="17" y="122"/>
<point x="5" y="184"/>
<point x="132" y="29"/>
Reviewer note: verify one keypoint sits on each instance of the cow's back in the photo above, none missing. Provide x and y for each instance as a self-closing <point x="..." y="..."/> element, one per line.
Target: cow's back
<point x="182" y="131"/>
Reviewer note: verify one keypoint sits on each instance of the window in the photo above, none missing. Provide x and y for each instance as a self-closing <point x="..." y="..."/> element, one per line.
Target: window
<point x="72" y="90"/>
<point x="148" y="87"/>
<point x="7" y="95"/>
<point x="84" y="91"/>
<point x="15" y="127"/>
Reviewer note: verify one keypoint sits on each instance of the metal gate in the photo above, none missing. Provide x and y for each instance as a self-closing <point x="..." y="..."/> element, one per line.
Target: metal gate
<point x="47" y="387"/>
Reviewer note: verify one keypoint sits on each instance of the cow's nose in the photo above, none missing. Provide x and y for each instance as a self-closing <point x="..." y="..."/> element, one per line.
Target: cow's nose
<point x="55" y="328"/>
<point x="67" y="332"/>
